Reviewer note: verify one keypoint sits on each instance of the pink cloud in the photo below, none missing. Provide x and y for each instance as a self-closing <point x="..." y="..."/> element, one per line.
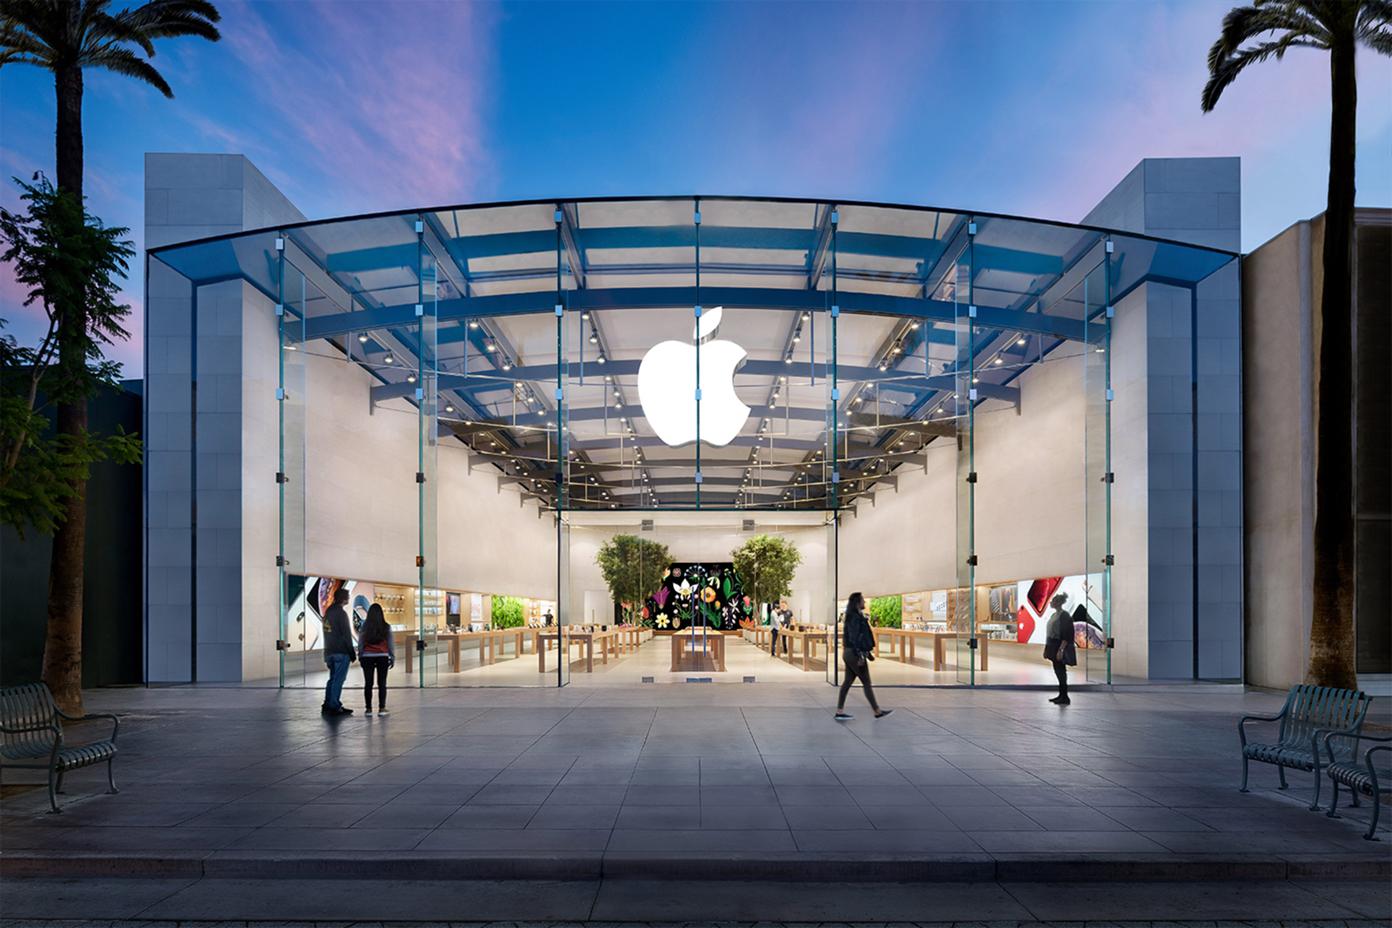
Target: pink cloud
<point x="390" y="107"/>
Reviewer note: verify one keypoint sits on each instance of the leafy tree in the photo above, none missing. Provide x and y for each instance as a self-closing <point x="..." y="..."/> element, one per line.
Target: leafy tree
<point x="63" y="258"/>
<point x="507" y="612"/>
<point x="67" y="37"/>
<point x="1252" y="34"/>
<point x="633" y="568"/>
<point x="887" y="611"/>
<point x="766" y="564"/>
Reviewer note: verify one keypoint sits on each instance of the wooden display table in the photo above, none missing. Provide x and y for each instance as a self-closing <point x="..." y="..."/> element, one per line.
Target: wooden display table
<point x="758" y="635"/>
<point x="804" y="639"/>
<point x="904" y="640"/>
<point x="631" y="637"/>
<point x="608" y="642"/>
<point x="690" y="651"/>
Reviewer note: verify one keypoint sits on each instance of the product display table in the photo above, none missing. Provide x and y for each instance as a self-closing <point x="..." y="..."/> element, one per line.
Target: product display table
<point x="759" y="635"/>
<point x="903" y="640"/>
<point x="631" y="637"/>
<point x="803" y="640"/>
<point x="490" y="643"/>
<point x="607" y="641"/>
<point x="689" y="650"/>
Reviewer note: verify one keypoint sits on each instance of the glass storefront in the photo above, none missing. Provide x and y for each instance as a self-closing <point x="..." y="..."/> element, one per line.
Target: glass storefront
<point x="565" y="442"/>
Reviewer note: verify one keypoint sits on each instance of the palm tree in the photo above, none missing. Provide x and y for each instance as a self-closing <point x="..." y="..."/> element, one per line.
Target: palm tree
<point x="1251" y="34"/>
<point x="67" y="37"/>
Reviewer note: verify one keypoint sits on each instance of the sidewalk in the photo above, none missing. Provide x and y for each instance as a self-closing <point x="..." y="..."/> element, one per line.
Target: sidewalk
<point x="687" y="782"/>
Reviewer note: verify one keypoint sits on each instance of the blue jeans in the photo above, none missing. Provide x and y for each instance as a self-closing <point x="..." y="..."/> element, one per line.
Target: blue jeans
<point x="338" y="672"/>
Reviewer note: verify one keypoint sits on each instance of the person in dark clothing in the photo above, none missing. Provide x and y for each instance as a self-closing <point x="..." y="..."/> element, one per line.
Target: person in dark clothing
<point x="1059" y="648"/>
<point x="377" y="655"/>
<point x="338" y="654"/>
<point x="859" y="651"/>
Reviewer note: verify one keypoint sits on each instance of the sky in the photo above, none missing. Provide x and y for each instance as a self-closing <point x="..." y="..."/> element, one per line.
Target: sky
<point x="1031" y="108"/>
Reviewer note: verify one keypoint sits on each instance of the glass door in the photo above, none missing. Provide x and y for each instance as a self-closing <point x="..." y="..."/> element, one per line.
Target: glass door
<point x="1095" y="638"/>
<point x="962" y="605"/>
<point x="299" y="622"/>
<point x="430" y="604"/>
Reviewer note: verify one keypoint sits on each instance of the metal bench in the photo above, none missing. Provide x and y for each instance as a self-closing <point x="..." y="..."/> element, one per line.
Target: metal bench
<point x="31" y="736"/>
<point x="1362" y="779"/>
<point x="1309" y="712"/>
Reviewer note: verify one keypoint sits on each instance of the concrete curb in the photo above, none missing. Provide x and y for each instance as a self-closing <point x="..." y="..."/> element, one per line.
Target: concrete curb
<point x="495" y="866"/>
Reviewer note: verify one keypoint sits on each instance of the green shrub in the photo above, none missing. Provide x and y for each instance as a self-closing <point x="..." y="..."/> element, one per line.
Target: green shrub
<point x="507" y="612"/>
<point x="887" y="611"/>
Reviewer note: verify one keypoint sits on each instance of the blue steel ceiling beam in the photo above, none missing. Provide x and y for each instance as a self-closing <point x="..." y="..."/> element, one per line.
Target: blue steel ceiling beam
<point x="547" y="373"/>
<point x="659" y="297"/>
<point x="880" y="245"/>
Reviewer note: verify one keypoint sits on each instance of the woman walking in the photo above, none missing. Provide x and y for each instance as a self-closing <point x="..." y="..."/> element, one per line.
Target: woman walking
<point x="377" y="655"/>
<point x="1059" y="648"/>
<point x="859" y="651"/>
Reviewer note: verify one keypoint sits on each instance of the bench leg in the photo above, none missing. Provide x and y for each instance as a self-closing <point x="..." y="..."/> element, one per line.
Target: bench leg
<point x="1284" y="784"/>
<point x="1243" y="787"/>
<point x="111" y="775"/>
<point x="1314" y="803"/>
<point x="53" y="790"/>
<point x="1334" y="802"/>
<point x="59" y="789"/>
<point x="1372" y="828"/>
<point x="1355" y="803"/>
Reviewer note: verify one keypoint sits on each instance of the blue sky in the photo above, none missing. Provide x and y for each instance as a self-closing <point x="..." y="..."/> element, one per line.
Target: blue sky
<point x="1031" y="108"/>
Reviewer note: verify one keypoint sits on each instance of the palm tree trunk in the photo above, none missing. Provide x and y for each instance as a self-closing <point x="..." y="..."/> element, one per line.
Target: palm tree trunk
<point x="62" y="659"/>
<point x="1332" y="645"/>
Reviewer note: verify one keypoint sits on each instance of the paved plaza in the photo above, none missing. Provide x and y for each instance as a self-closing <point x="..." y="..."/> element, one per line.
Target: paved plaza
<point x="684" y="784"/>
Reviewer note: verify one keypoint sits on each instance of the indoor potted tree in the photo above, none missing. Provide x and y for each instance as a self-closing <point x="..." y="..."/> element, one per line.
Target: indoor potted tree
<point x="766" y="564"/>
<point x="633" y="568"/>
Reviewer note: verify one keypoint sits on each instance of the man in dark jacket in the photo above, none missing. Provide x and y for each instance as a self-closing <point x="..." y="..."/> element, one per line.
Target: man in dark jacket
<point x="338" y="654"/>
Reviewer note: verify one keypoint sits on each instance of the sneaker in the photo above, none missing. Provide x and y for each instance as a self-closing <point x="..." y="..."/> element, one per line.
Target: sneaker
<point x="368" y="714"/>
<point x="343" y="710"/>
<point x="382" y="711"/>
<point x="843" y="716"/>
<point x="325" y="710"/>
<point x="882" y="713"/>
<point x="1061" y="701"/>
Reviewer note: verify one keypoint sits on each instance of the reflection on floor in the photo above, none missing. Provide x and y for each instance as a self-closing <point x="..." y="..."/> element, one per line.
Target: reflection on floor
<point x="1009" y="665"/>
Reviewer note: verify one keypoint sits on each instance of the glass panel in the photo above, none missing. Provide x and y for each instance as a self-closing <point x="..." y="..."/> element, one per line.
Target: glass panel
<point x="300" y="625"/>
<point x="1094" y="640"/>
<point x="431" y="604"/>
<point x="569" y="265"/>
<point x="962" y="601"/>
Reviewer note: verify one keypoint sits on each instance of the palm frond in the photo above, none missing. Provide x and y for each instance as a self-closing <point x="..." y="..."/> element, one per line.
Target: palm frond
<point x="1374" y="25"/>
<point x="158" y="19"/>
<point x="1229" y="66"/>
<point x="124" y="61"/>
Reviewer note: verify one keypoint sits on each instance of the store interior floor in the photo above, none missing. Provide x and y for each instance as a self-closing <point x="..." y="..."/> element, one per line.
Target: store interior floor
<point x="1009" y="665"/>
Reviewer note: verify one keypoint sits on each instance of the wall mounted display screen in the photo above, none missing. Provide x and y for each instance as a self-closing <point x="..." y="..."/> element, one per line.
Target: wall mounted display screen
<point x="1035" y="597"/>
<point x="708" y="594"/>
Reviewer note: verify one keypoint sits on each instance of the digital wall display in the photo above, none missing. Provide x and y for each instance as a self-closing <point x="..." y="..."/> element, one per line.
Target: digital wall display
<point x="708" y="594"/>
<point x="1035" y="596"/>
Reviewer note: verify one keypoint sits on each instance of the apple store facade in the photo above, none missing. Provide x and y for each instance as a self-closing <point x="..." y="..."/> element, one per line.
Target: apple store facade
<point x="466" y="414"/>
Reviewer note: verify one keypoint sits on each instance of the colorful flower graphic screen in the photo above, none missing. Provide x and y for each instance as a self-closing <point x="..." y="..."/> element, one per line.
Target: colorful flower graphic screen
<point x="709" y="594"/>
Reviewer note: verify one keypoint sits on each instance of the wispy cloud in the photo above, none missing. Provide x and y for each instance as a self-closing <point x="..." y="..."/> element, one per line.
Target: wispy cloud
<point x="372" y="107"/>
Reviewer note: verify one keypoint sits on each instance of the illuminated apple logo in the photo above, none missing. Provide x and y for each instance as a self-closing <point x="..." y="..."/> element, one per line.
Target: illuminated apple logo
<point x="667" y="387"/>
